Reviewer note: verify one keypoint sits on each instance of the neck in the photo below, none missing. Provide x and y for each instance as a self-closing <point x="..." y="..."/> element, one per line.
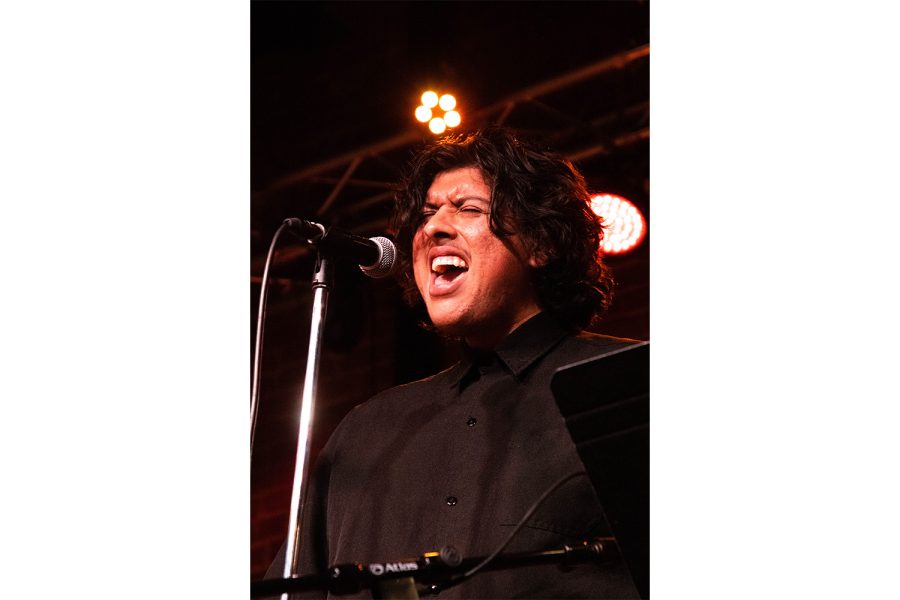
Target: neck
<point x="488" y="338"/>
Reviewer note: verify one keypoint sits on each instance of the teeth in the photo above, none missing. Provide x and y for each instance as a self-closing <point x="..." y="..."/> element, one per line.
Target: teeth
<point x="441" y="263"/>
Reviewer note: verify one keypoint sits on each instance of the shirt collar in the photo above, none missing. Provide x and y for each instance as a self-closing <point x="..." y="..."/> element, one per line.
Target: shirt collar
<point x="518" y="350"/>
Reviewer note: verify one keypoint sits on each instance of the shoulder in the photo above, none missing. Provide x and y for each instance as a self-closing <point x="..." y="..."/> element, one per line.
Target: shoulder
<point x="388" y="407"/>
<point x="597" y="341"/>
<point x="416" y="390"/>
<point x="584" y="345"/>
<point x="381" y="418"/>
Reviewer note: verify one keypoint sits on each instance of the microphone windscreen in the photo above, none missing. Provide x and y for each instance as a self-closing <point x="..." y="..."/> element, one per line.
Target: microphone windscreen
<point x="385" y="264"/>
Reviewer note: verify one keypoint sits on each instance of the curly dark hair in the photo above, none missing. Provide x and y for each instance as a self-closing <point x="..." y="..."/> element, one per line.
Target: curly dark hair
<point x="536" y="194"/>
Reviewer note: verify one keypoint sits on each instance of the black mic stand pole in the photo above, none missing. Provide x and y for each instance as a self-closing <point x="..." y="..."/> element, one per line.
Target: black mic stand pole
<point x="320" y="283"/>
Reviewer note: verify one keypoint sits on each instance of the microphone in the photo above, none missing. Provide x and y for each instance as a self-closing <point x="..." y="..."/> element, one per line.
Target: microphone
<point x="375" y="256"/>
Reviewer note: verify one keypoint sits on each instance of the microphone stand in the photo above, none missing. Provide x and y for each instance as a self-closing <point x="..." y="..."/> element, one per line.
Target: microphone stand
<point x="430" y="573"/>
<point x="321" y="282"/>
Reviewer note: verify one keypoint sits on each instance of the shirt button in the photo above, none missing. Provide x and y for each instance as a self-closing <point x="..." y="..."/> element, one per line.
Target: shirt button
<point x="471" y="422"/>
<point x="451" y="500"/>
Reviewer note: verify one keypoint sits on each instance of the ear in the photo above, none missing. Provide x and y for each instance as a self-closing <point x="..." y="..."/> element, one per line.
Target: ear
<point x="537" y="260"/>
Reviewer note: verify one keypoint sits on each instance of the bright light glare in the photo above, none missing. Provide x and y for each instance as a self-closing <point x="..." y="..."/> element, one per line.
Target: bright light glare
<point x="423" y="114"/>
<point x="624" y="225"/>
<point x="447" y="102"/>
<point x="437" y="125"/>
<point x="430" y="99"/>
<point x="429" y="113"/>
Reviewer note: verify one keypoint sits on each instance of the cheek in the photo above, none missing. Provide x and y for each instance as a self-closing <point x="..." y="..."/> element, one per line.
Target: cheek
<point x="418" y="243"/>
<point x="420" y="278"/>
<point x="420" y="270"/>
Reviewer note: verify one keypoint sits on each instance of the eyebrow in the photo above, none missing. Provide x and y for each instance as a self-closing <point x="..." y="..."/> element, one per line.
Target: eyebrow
<point x="456" y="201"/>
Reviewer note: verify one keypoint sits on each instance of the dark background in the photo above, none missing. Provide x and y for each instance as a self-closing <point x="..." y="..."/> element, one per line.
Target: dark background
<point x="333" y="88"/>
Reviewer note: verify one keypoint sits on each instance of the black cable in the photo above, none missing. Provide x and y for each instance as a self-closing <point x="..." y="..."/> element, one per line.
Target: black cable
<point x="257" y="353"/>
<point x="528" y="514"/>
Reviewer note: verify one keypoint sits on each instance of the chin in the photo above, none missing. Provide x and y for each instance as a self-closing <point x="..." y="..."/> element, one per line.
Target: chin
<point x="447" y="326"/>
<point x="453" y="325"/>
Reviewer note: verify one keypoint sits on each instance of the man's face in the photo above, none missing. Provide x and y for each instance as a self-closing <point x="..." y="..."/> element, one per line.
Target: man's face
<point x="474" y="285"/>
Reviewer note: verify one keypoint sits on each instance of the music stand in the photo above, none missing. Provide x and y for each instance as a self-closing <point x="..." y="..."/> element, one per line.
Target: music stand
<point x="606" y="404"/>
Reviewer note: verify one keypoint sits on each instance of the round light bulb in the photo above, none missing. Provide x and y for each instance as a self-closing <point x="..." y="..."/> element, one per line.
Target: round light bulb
<point x="429" y="99"/>
<point x="447" y="102"/>
<point x="437" y="125"/>
<point x="452" y="118"/>
<point x="625" y="225"/>
<point x="423" y="114"/>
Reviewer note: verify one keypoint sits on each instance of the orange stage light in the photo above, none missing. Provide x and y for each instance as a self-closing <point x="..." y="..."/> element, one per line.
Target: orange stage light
<point x="427" y="112"/>
<point x="624" y="225"/>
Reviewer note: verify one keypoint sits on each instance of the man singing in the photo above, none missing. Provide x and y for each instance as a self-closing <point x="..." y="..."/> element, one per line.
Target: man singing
<point x="498" y="240"/>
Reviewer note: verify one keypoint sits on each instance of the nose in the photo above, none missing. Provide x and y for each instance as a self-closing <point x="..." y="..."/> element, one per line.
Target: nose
<point x="440" y="224"/>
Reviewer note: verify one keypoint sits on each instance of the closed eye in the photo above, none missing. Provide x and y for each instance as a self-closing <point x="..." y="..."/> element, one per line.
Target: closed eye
<point x="469" y="210"/>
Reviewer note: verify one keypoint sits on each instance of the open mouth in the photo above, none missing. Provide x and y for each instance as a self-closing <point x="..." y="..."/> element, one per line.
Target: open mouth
<point x="446" y="274"/>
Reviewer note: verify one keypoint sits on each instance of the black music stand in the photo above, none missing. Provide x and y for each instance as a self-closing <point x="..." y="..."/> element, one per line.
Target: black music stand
<point x="606" y="404"/>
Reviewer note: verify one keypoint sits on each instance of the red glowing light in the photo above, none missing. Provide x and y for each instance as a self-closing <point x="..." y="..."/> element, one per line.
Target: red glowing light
<point x="624" y="225"/>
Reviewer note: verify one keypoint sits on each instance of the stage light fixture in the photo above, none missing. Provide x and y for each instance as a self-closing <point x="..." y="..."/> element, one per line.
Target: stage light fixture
<point x="429" y="99"/>
<point x="625" y="226"/>
<point x="437" y="123"/>
<point x="423" y="114"/>
<point x="447" y="102"/>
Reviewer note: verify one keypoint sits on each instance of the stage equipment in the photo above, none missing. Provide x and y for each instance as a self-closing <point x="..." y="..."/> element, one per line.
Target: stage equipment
<point x="375" y="257"/>
<point x="410" y="578"/>
<point x="257" y="352"/>
<point x="606" y="404"/>
<point x="625" y="226"/>
<point x="437" y="125"/>
<point x="425" y="112"/>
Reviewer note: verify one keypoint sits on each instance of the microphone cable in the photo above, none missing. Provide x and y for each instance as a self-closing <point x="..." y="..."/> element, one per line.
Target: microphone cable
<point x="257" y="352"/>
<point x="528" y="514"/>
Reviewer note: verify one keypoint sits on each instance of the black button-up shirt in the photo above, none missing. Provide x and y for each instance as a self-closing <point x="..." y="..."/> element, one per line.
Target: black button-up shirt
<point x="458" y="458"/>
